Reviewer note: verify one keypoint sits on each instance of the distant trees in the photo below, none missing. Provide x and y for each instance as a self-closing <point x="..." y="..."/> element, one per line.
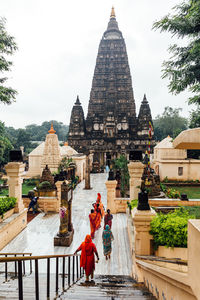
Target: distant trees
<point x="7" y="47"/>
<point x="169" y="123"/>
<point x="39" y="132"/>
<point x="26" y="137"/>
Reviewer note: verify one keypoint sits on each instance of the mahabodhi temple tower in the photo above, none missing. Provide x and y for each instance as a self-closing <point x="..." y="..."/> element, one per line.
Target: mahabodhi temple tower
<point x="111" y="127"/>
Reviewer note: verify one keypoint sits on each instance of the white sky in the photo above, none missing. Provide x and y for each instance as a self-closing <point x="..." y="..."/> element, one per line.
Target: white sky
<point x="58" y="43"/>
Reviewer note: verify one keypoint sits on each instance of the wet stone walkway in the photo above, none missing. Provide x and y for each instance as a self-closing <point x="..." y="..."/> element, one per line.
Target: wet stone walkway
<point x="38" y="236"/>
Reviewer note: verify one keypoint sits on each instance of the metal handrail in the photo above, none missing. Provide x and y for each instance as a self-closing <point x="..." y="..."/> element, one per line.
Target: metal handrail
<point x="9" y="259"/>
<point x="16" y="253"/>
<point x="73" y="267"/>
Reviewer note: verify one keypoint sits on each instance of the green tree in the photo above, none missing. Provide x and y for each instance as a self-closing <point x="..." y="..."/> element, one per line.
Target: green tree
<point x="121" y="164"/>
<point x="183" y="68"/>
<point x="39" y="132"/>
<point x="194" y="120"/>
<point x="7" y="47"/>
<point x="65" y="164"/>
<point x="169" y="123"/>
<point x="5" y="146"/>
<point x="23" y="138"/>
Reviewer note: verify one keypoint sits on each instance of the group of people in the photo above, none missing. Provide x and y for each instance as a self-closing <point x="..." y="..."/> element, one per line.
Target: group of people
<point x="88" y="248"/>
<point x="96" y="215"/>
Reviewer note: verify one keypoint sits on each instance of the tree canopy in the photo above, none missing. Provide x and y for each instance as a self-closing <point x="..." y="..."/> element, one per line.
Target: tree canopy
<point x="26" y="137"/>
<point x="7" y="47"/>
<point x="169" y="123"/>
<point x="5" y="146"/>
<point x="183" y="68"/>
<point x="194" y="120"/>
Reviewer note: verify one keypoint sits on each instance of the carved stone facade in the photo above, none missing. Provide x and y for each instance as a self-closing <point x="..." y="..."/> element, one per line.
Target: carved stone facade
<point x="111" y="127"/>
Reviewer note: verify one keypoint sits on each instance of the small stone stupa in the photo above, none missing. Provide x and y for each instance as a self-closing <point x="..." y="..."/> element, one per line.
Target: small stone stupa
<point x="46" y="176"/>
<point x="51" y="154"/>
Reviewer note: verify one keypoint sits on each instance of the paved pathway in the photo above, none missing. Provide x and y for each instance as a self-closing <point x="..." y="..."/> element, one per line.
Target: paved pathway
<point x="38" y="235"/>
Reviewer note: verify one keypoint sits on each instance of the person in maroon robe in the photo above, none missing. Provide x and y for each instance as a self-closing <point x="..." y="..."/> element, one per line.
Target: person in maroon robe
<point x="108" y="219"/>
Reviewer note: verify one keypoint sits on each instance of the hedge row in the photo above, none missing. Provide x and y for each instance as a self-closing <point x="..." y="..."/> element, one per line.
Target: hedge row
<point x="171" y="230"/>
<point x="6" y="203"/>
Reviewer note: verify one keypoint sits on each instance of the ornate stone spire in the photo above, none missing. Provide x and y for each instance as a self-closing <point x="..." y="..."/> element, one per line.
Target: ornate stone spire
<point x="51" y="155"/>
<point x="144" y="116"/>
<point x="112" y="15"/>
<point x="51" y="131"/>
<point x="77" y="121"/>
<point x="112" y="27"/>
<point x="111" y="102"/>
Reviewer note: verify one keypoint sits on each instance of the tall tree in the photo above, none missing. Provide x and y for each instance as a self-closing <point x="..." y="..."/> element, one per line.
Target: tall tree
<point x="7" y="47"/>
<point x="183" y="68"/>
<point x="194" y="120"/>
<point x="5" y="146"/>
<point x="169" y="123"/>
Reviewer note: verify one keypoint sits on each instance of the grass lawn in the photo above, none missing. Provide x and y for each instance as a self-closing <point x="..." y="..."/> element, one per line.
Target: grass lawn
<point x="192" y="192"/>
<point x="25" y="190"/>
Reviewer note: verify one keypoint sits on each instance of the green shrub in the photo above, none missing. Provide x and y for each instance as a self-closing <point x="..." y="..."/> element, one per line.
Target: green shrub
<point x="194" y="211"/>
<point x="165" y="179"/>
<point x="45" y="185"/>
<point x="134" y="203"/>
<point x="170" y="192"/>
<point x="6" y="203"/>
<point x="171" y="230"/>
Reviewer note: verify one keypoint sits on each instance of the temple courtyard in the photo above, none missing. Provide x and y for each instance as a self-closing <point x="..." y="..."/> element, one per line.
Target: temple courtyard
<point x="37" y="238"/>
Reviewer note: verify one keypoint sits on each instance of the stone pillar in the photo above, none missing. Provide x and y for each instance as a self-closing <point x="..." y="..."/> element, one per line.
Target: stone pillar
<point x="111" y="194"/>
<point x="142" y="237"/>
<point x="135" y="171"/>
<point x="66" y="232"/>
<point x="87" y="173"/>
<point x="14" y="172"/>
<point x="58" y="187"/>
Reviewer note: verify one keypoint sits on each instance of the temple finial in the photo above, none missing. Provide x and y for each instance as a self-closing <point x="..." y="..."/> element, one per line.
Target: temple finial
<point x="77" y="101"/>
<point x="144" y="98"/>
<point x="52" y="131"/>
<point x="112" y="15"/>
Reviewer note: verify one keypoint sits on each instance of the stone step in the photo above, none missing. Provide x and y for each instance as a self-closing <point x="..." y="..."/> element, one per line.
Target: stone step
<point x="108" y="287"/>
<point x="105" y="287"/>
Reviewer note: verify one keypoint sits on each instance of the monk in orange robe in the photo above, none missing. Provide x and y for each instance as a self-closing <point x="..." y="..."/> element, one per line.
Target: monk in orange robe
<point x="93" y="218"/>
<point x="87" y="261"/>
<point x="100" y="205"/>
<point x="98" y="213"/>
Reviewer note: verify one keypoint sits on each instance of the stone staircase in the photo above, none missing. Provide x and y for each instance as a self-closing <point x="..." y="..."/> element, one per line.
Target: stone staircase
<point x="105" y="287"/>
<point x="108" y="287"/>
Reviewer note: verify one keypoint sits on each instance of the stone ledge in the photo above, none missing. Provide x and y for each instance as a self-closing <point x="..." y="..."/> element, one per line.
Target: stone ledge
<point x="11" y="227"/>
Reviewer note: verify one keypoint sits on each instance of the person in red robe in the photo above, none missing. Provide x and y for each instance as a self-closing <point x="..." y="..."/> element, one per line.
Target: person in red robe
<point x="87" y="260"/>
<point x="93" y="218"/>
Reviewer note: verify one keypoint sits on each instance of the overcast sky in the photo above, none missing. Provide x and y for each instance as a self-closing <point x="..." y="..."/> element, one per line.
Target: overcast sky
<point x="58" y="43"/>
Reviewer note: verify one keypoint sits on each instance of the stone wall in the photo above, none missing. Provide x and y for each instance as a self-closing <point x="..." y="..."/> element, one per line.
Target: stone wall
<point x="166" y="280"/>
<point x="46" y="204"/>
<point x="11" y="227"/>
